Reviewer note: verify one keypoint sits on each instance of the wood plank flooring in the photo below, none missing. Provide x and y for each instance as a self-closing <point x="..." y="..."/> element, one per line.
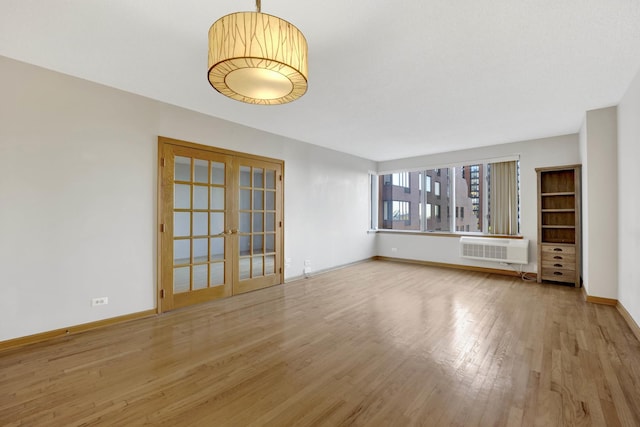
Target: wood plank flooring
<point x="374" y="344"/>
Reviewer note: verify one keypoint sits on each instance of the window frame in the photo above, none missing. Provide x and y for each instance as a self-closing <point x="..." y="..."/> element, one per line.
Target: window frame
<point x="426" y="210"/>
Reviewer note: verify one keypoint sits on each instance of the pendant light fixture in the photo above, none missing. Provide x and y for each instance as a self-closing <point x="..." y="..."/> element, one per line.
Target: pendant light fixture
<point x="257" y="58"/>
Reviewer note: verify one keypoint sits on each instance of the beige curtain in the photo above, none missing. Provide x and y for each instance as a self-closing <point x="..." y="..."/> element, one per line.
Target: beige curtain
<point x="504" y="198"/>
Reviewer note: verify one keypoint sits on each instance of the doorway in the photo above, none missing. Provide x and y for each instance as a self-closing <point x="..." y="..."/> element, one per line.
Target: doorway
<point x="220" y="220"/>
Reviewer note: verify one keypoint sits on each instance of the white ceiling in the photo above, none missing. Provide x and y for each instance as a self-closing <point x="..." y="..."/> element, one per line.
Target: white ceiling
<point x="387" y="79"/>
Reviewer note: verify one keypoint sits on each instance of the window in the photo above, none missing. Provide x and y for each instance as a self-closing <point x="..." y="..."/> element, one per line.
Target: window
<point x="385" y="211"/>
<point x="440" y="200"/>
<point x="396" y="211"/>
<point x="400" y="179"/>
<point x="454" y="199"/>
<point x="399" y="199"/>
<point x="401" y="211"/>
<point x="469" y="195"/>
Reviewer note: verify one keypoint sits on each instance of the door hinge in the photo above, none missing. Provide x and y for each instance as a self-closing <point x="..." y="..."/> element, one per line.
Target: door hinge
<point x="280" y="178"/>
<point x="280" y="270"/>
<point x="162" y="162"/>
<point x="280" y="224"/>
<point x="162" y="228"/>
<point x="161" y="293"/>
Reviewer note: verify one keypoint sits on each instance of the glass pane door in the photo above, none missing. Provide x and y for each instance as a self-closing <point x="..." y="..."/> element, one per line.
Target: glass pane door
<point x="196" y="183"/>
<point x="259" y="230"/>
<point x="220" y="219"/>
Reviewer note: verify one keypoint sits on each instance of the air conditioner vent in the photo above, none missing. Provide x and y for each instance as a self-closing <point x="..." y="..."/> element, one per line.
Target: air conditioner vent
<point x="513" y="251"/>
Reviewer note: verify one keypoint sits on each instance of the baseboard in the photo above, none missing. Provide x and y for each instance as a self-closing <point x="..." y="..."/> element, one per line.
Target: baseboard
<point x="627" y="317"/>
<point x="618" y="305"/>
<point x="456" y="266"/>
<point x="598" y="300"/>
<point x="326" y="270"/>
<point x="44" y="336"/>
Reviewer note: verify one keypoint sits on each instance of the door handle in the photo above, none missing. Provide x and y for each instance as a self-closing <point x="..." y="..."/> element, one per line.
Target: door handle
<point x="228" y="232"/>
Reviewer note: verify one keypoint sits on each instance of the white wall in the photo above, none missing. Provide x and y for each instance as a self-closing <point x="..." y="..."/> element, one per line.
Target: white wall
<point x="555" y="151"/>
<point x="628" y="201"/>
<point x="599" y="157"/>
<point x="78" y="197"/>
<point x="584" y="159"/>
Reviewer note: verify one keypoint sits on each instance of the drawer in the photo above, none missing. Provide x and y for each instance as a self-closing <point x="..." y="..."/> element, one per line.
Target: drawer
<point x="559" y="265"/>
<point x="560" y="257"/>
<point x="558" y="275"/>
<point x="558" y="249"/>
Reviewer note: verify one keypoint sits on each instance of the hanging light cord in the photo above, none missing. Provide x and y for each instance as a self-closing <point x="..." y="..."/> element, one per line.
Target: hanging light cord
<point x="258" y="6"/>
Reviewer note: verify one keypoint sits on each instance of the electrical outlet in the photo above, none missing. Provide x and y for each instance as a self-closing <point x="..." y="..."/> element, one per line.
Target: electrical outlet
<point x="99" y="301"/>
<point x="394" y="249"/>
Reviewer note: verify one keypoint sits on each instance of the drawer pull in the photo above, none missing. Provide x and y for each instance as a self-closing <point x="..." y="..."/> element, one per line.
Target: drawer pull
<point x="557" y="257"/>
<point x="557" y="249"/>
<point x="557" y="273"/>
<point x="557" y="265"/>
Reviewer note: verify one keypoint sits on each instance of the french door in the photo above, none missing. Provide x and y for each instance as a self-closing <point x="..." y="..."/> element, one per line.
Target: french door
<point x="220" y="216"/>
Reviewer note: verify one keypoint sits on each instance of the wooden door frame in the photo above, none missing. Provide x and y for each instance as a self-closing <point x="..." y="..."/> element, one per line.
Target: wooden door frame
<point x="162" y="142"/>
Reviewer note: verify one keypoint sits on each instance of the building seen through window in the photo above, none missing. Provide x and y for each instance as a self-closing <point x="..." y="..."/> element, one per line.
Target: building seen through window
<point x="443" y="199"/>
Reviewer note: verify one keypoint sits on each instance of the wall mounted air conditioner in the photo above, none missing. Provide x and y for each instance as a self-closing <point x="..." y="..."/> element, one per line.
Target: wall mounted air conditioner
<point x="512" y="251"/>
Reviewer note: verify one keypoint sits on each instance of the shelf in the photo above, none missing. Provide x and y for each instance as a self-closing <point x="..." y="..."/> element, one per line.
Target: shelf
<point x="557" y="181"/>
<point x="559" y="223"/>
<point x="563" y="193"/>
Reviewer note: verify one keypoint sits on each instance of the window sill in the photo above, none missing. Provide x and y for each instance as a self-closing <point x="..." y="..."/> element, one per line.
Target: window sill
<point x="455" y="234"/>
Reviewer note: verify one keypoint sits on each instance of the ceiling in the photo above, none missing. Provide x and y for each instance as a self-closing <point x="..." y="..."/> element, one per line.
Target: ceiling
<point x="387" y="79"/>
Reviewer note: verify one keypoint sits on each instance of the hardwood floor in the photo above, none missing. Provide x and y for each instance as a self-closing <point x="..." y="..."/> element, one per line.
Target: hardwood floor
<point x="374" y="344"/>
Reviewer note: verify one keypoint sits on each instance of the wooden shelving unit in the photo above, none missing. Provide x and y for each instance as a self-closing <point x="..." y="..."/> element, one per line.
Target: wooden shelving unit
<point x="559" y="238"/>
